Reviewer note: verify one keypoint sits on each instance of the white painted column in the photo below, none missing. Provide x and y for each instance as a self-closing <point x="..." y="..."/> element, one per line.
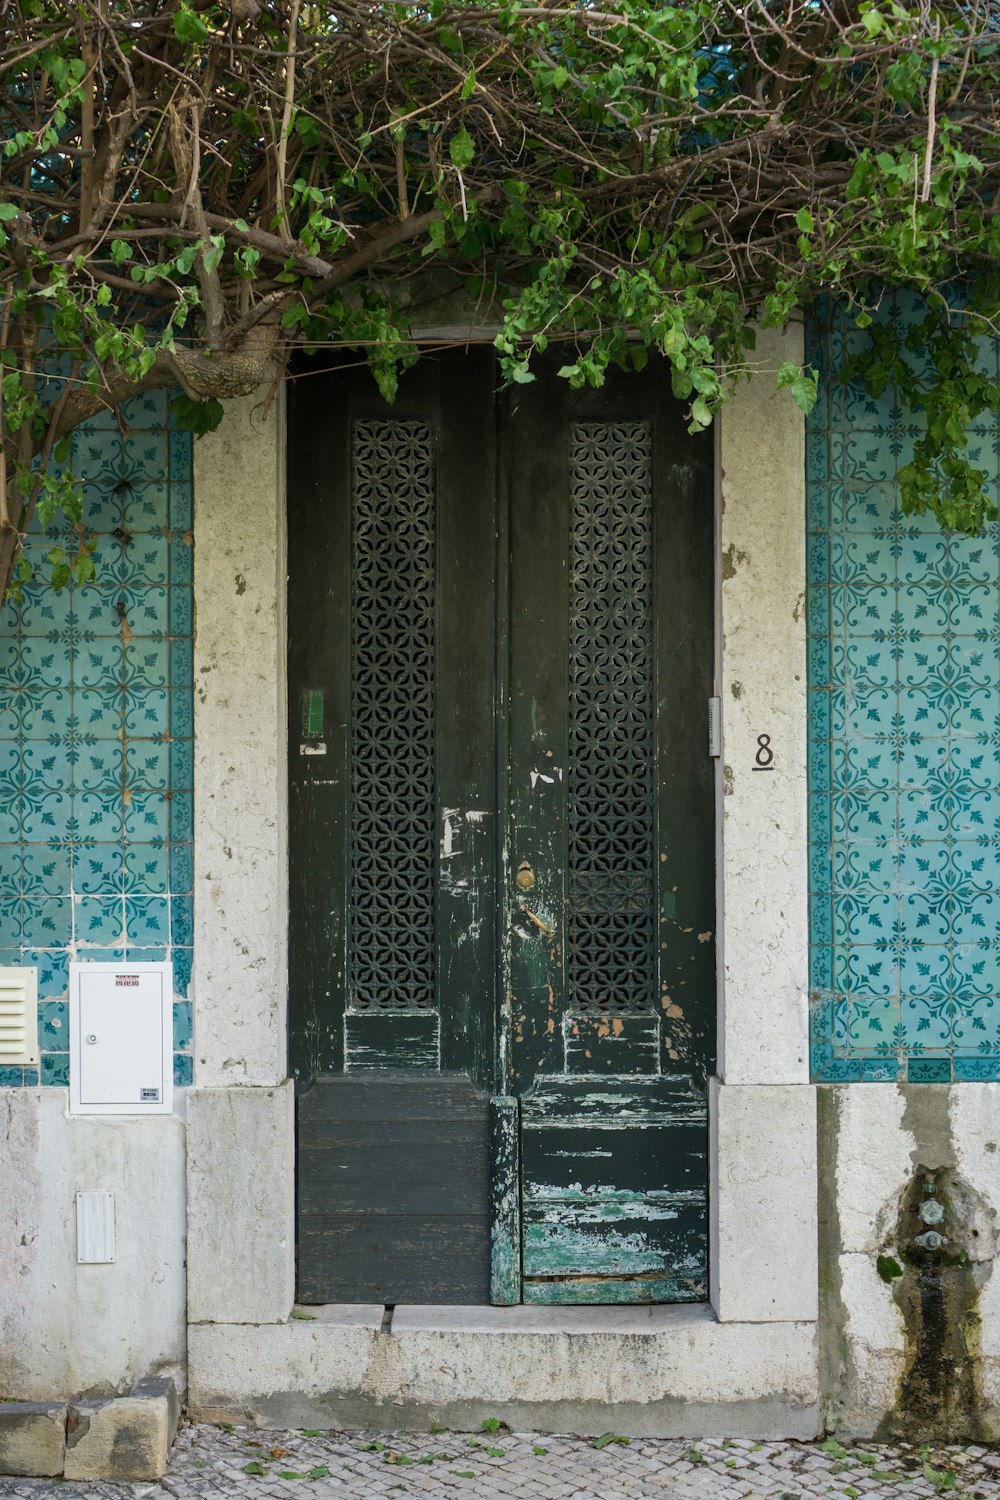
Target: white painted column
<point x="241" y="1229"/>
<point x="762" y="1109"/>
<point x="763" y="952"/>
<point x="241" y="881"/>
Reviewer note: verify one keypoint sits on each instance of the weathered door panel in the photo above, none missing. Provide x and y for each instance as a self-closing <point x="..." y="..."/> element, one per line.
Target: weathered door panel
<point x="610" y="972"/>
<point x="392" y="802"/>
<point x="393" y="1189"/>
<point x="393" y="830"/>
<point x="613" y="1191"/>
<point x="501" y="837"/>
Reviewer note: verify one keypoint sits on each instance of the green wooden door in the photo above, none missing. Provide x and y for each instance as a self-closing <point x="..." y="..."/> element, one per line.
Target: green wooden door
<point x="501" y="836"/>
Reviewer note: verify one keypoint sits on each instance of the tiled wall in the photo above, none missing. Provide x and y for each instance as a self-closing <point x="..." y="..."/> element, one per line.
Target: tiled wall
<point x="904" y="680"/>
<point x="96" y="721"/>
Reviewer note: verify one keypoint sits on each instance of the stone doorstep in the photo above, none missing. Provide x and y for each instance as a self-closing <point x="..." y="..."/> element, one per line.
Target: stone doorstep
<point x="123" y="1437"/>
<point x="32" y="1438"/>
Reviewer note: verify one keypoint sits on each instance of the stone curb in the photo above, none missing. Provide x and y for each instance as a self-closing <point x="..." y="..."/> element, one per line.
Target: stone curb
<point x="123" y="1437"/>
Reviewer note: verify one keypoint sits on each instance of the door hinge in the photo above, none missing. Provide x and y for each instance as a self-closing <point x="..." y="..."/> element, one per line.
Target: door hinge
<point x="715" y="726"/>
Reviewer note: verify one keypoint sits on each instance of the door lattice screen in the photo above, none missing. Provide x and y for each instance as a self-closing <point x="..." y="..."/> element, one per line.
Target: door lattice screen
<point x="610" y="817"/>
<point x="392" y="718"/>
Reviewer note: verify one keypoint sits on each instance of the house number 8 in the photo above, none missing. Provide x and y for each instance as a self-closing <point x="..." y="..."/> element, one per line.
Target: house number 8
<point x="765" y="755"/>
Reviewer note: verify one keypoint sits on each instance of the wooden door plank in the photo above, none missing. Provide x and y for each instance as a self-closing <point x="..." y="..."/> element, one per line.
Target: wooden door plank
<point x="684" y="624"/>
<point x="401" y="1095"/>
<point x="319" y="556"/>
<point x="612" y="1044"/>
<point x="644" y="1237"/>
<point x="393" y="1259"/>
<point x="381" y="1040"/>
<point x="604" y="1291"/>
<point x="614" y="1176"/>
<point x="393" y="1205"/>
<point x="466" y="712"/>
<point x="505" y="1202"/>
<point x="534" y="881"/>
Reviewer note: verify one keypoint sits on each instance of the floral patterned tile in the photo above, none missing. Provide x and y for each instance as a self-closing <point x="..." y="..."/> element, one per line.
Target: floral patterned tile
<point x="904" y="760"/>
<point x="93" y="681"/>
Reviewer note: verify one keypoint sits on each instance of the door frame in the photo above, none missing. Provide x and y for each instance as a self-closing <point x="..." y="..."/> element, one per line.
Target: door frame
<point x="762" y="1107"/>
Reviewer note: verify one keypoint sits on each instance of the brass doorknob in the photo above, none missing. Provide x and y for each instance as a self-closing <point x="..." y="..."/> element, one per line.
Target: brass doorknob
<point x="525" y="876"/>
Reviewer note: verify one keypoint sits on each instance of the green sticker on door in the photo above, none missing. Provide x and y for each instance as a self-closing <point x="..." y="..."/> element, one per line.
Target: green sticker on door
<point x="312" y="722"/>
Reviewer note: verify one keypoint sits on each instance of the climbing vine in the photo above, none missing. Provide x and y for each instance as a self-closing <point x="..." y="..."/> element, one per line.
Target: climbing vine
<point x="191" y="189"/>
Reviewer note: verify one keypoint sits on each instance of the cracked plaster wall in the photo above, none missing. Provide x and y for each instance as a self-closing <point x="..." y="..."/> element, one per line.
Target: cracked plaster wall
<point x="872" y="1139"/>
<point x="75" y="1330"/>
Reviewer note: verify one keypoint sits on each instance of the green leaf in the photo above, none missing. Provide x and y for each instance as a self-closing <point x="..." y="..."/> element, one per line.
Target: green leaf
<point x="186" y="258"/>
<point x="491" y="1424"/>
<point x="84" y="569"/>
<point x="539" y="1452"/>
<point x="519" y="372"/>
<point x="254" y="1468"/>
<point x="8" y="211"/>
<point x="943" y="1480"/>
<point x="607" y="1438"/>
<point x="496" y="1452"/>
<point x="189" y="27"/>
<point x="213" y="255"/>
<point x="804" y="220"/>
<point x="461" y="148"/>
<point x="803" y="384"/>
<point x="121" y="251"/>
<point x="320" y="1472"/>
<point x="304" y="1317"/>
<point x="198" y="417"/>
<point x="701" y="415"/>
<point x="888" y="1268"/>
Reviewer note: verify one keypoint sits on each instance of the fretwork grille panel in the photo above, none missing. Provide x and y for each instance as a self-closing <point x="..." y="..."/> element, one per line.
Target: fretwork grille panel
<point x="392" y="718"/>
<point x="610" y="813"/>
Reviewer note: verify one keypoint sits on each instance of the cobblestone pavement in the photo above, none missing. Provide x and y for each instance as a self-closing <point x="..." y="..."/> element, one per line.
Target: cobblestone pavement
<point x="215" y="1460"/>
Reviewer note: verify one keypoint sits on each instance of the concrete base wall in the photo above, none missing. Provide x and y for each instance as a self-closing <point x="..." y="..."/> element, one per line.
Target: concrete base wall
<point x="70" y="1330"/>
<point x="653" y="1371"/>
<point x="873" y="1139"/>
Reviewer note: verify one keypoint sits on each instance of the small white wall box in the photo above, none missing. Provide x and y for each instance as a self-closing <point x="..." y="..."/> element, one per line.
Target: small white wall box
<point x="18" y="1018"/>
<point x="95" y="1229"/>
<point x="121" y="1039"/>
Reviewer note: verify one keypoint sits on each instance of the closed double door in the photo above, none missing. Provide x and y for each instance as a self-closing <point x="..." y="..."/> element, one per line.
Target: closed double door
<point x="502" y="966"/>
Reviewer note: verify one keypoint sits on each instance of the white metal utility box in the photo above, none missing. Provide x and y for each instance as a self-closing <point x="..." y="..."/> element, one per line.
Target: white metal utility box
<point x="121" y="1039"/>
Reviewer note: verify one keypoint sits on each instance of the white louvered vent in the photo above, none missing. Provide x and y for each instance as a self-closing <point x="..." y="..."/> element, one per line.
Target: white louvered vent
<point x="18" y="1017"/>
